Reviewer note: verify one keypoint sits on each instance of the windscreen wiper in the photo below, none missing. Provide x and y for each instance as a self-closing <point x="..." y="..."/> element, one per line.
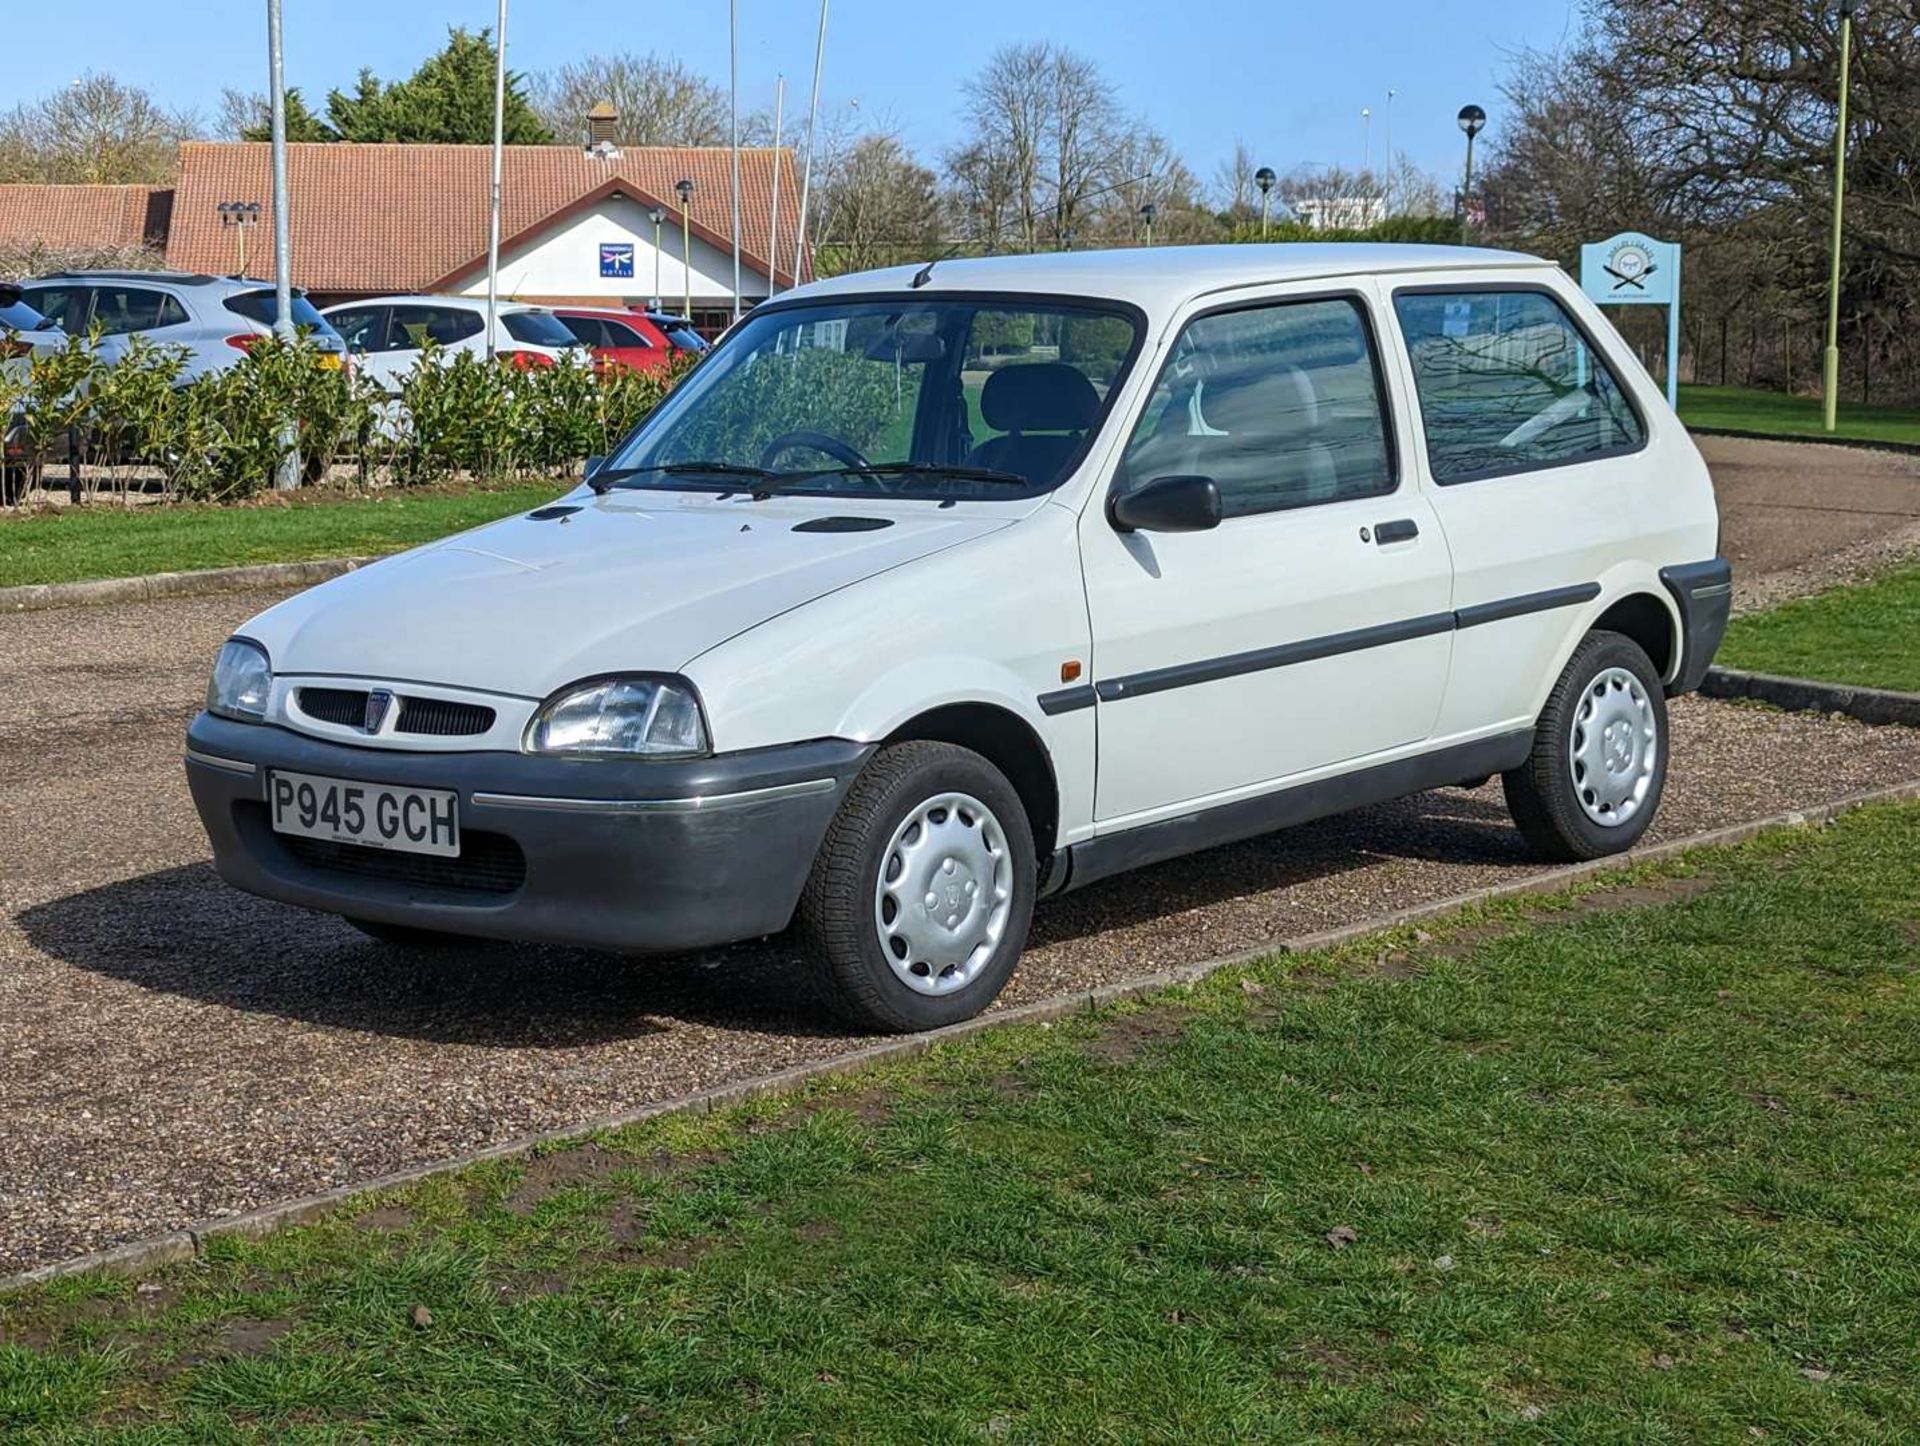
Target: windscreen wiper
<point x="607" y="476"/>
<point x="955" y="472"/>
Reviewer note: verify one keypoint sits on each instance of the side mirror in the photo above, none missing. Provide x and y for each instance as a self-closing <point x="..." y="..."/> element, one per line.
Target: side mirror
<point x="594" y="464"/>
<point x="1167" y="504"/>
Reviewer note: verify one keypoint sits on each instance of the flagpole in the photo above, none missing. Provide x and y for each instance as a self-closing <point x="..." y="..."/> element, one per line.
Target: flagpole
<point x="499" y="150"/>
<point x="773" y="220"/>
<point x="813" y="126"/>
<point x="734" y="122"/>
<point x="286" y="474"/>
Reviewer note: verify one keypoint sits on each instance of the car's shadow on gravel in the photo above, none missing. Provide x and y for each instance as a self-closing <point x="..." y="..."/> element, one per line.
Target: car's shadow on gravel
<point x="184" y="932"/>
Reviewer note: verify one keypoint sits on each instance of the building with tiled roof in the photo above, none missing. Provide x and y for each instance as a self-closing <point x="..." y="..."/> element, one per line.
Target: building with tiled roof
<point x="84" y="218"/>
<point x="577" y="225"/>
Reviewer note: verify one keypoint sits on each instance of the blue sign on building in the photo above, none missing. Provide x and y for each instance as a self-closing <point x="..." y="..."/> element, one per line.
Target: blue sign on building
<point x="1633" y="269"/>
<point x="616" y="259"/>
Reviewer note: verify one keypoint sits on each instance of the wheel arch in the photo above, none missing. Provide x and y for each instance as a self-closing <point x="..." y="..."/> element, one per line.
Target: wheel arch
<point x="1010" y="744"/>
<point x="1651" y="621"/>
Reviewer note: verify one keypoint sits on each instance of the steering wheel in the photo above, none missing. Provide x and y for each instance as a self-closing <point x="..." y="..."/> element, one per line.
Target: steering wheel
<point x="816" y="442"/>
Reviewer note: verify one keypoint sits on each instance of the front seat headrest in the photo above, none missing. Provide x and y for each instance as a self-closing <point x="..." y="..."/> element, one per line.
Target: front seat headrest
<point x="1039" y="397"/>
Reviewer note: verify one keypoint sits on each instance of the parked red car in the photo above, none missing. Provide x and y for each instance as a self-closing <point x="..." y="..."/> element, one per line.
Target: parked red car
<point x="638" y="340"/>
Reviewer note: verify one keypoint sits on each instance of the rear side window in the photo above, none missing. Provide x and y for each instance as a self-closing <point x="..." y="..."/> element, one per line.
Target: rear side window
<point x="537" y="328"/>
<point x="1508" y="383"/>
<point x="683" y="337"/>
<point x="1280" y="405"/>
<point x="415" y="326"/>
<point x="118" y="310"/>
<point x="260" y="306"/>
<point x="619" y="335"/>
<point x="587" y="330"/>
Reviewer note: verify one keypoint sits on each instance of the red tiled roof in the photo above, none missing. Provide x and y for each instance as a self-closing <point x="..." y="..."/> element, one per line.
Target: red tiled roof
<point x="384" y="218"/>
<point x="68" y="218"/>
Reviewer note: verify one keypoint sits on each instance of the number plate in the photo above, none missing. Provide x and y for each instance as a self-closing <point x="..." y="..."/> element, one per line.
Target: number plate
<point x="408" y="820"/>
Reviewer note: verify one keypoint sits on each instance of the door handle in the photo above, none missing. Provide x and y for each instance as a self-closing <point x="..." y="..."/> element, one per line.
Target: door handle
<point x="1403" y="529"/>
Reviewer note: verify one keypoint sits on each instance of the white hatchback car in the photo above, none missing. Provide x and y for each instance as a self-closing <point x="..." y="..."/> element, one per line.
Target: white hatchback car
<point x="937" y="590"/>
<point x="388" y="334"/>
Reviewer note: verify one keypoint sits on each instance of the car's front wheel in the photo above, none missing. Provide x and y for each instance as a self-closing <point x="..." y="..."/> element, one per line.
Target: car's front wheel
<point x="918" y="904"/>
<point x="1599" y="761"/>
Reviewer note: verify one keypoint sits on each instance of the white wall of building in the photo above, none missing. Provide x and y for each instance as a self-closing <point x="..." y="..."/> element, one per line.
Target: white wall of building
<point x="565" y="262"/>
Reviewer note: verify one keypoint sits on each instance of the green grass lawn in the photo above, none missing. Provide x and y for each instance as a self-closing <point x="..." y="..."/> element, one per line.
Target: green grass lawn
<point x="1632" y="1166"/>
<point x="1868" y="635"/>
<point x="104" y="539"/>
<point x="1742" y="409"/>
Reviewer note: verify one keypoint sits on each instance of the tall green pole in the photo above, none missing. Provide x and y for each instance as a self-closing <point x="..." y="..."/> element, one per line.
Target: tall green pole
<point x="1831" y="379"/>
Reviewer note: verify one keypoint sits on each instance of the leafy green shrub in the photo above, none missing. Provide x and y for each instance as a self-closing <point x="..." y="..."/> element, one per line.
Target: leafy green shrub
<point x="219" y="437"/>
<point x="752" y="405"/>
<point x="1410" y="230"/>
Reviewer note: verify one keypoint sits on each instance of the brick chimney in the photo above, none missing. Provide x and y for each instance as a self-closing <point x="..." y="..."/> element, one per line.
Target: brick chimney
<point x="603" y="123"/>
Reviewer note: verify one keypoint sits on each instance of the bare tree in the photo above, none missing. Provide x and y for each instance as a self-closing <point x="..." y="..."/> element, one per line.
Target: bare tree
<point x="96" y="130"/>
<point x="661" y="102"/>
<point x="1235" y="191"/>
<point x="878" y="206"/>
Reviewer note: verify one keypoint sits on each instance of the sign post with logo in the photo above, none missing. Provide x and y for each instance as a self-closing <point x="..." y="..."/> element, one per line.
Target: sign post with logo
<point x="1633" y="269"/>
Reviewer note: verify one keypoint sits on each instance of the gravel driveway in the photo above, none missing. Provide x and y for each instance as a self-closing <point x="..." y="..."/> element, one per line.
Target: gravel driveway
<point x="171" y="1050"/>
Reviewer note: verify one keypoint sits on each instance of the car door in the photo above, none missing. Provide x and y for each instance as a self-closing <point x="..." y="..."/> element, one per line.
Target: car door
<point x="123" y="310"/>
<point x="1530" y="440"/>
<point x="364" y="329"/>
<point x="1310" y="630"/>
<point x="629" y="347"/>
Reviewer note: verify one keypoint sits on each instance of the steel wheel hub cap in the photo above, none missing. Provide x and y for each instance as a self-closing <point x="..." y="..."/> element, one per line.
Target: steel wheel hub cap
<point x="1614" y="749"/>
<point x="945" y="890"/>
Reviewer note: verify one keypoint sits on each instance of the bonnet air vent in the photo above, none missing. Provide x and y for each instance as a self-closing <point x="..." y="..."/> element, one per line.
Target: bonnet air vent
<point x="548" y="514"/>
<point x="843" y="524"/>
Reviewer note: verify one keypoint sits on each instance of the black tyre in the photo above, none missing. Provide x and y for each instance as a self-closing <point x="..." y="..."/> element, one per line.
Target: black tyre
<point x="919" y="901"/>
<point x="403" y="936"/>
<point x="1599" y="762"/>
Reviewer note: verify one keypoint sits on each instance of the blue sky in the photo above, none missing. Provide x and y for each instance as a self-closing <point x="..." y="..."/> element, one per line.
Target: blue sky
<point x="1289" y="77"/>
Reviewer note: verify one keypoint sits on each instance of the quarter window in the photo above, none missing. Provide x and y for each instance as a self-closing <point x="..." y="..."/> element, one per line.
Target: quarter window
<point x="1280" y="405"/>
<point x="1508" y="383"/>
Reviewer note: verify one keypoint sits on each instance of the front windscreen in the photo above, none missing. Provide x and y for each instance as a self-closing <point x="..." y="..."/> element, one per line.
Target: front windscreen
<point x="955" y="397"/>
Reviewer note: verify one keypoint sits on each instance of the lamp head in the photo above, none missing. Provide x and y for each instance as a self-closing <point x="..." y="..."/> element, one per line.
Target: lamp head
<point x="685" y="189"/>
<point x="1472" y="120"/>
<point x="659" y="214"/>
<point x="1264" y="178"/>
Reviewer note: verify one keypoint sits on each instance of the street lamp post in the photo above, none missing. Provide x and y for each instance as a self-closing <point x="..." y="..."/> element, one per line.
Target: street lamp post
<point x="659" y="219"/>
<point x="1264" y="178"/>
<point x="1831" y="375"/>
<point x="241" y="215"/>
<point x="1472" y="120"/>
<point x="1147" y="213"/>
<point x="684" y="189"/>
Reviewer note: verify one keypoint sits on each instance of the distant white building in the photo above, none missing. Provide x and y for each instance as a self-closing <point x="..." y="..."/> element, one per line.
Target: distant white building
<point x="1341" y="213"/>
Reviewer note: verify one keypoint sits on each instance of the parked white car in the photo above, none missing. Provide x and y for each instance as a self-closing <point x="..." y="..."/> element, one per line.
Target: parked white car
<point x="937" y="590"/>
<point x="388" y="334"/>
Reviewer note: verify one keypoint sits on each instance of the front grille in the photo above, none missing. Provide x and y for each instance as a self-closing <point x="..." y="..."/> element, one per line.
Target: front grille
<point x="438" y="717"/>
<point x="344" y="706"/>
<point x="442" y="717"/>
<point x="489" y="863"/>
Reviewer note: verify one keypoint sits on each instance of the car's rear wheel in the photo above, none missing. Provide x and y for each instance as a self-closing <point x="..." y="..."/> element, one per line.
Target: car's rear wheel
<point x="919" y="900"/>
<point x="1599" y="762"/>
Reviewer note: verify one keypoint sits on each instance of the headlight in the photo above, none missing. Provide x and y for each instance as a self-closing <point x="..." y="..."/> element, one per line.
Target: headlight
<point x="621" y="717"/>
<point x="242" y="682"/>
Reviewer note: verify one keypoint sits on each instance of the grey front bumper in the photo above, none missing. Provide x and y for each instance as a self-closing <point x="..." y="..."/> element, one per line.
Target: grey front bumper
<point x="631" y="856"/>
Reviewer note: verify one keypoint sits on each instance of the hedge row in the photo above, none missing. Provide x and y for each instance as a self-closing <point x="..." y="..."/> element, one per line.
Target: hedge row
<point x="217" y="437"/>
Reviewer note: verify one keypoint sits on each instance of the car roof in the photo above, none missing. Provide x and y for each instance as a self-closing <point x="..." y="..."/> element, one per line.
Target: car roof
<point x="467" y="303"/>
<point x="1162" y="277"/>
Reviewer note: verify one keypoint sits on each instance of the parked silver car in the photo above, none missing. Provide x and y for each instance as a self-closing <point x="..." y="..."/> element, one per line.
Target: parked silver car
<point x="23" y="333"/>
<point x="212" y="319"/>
